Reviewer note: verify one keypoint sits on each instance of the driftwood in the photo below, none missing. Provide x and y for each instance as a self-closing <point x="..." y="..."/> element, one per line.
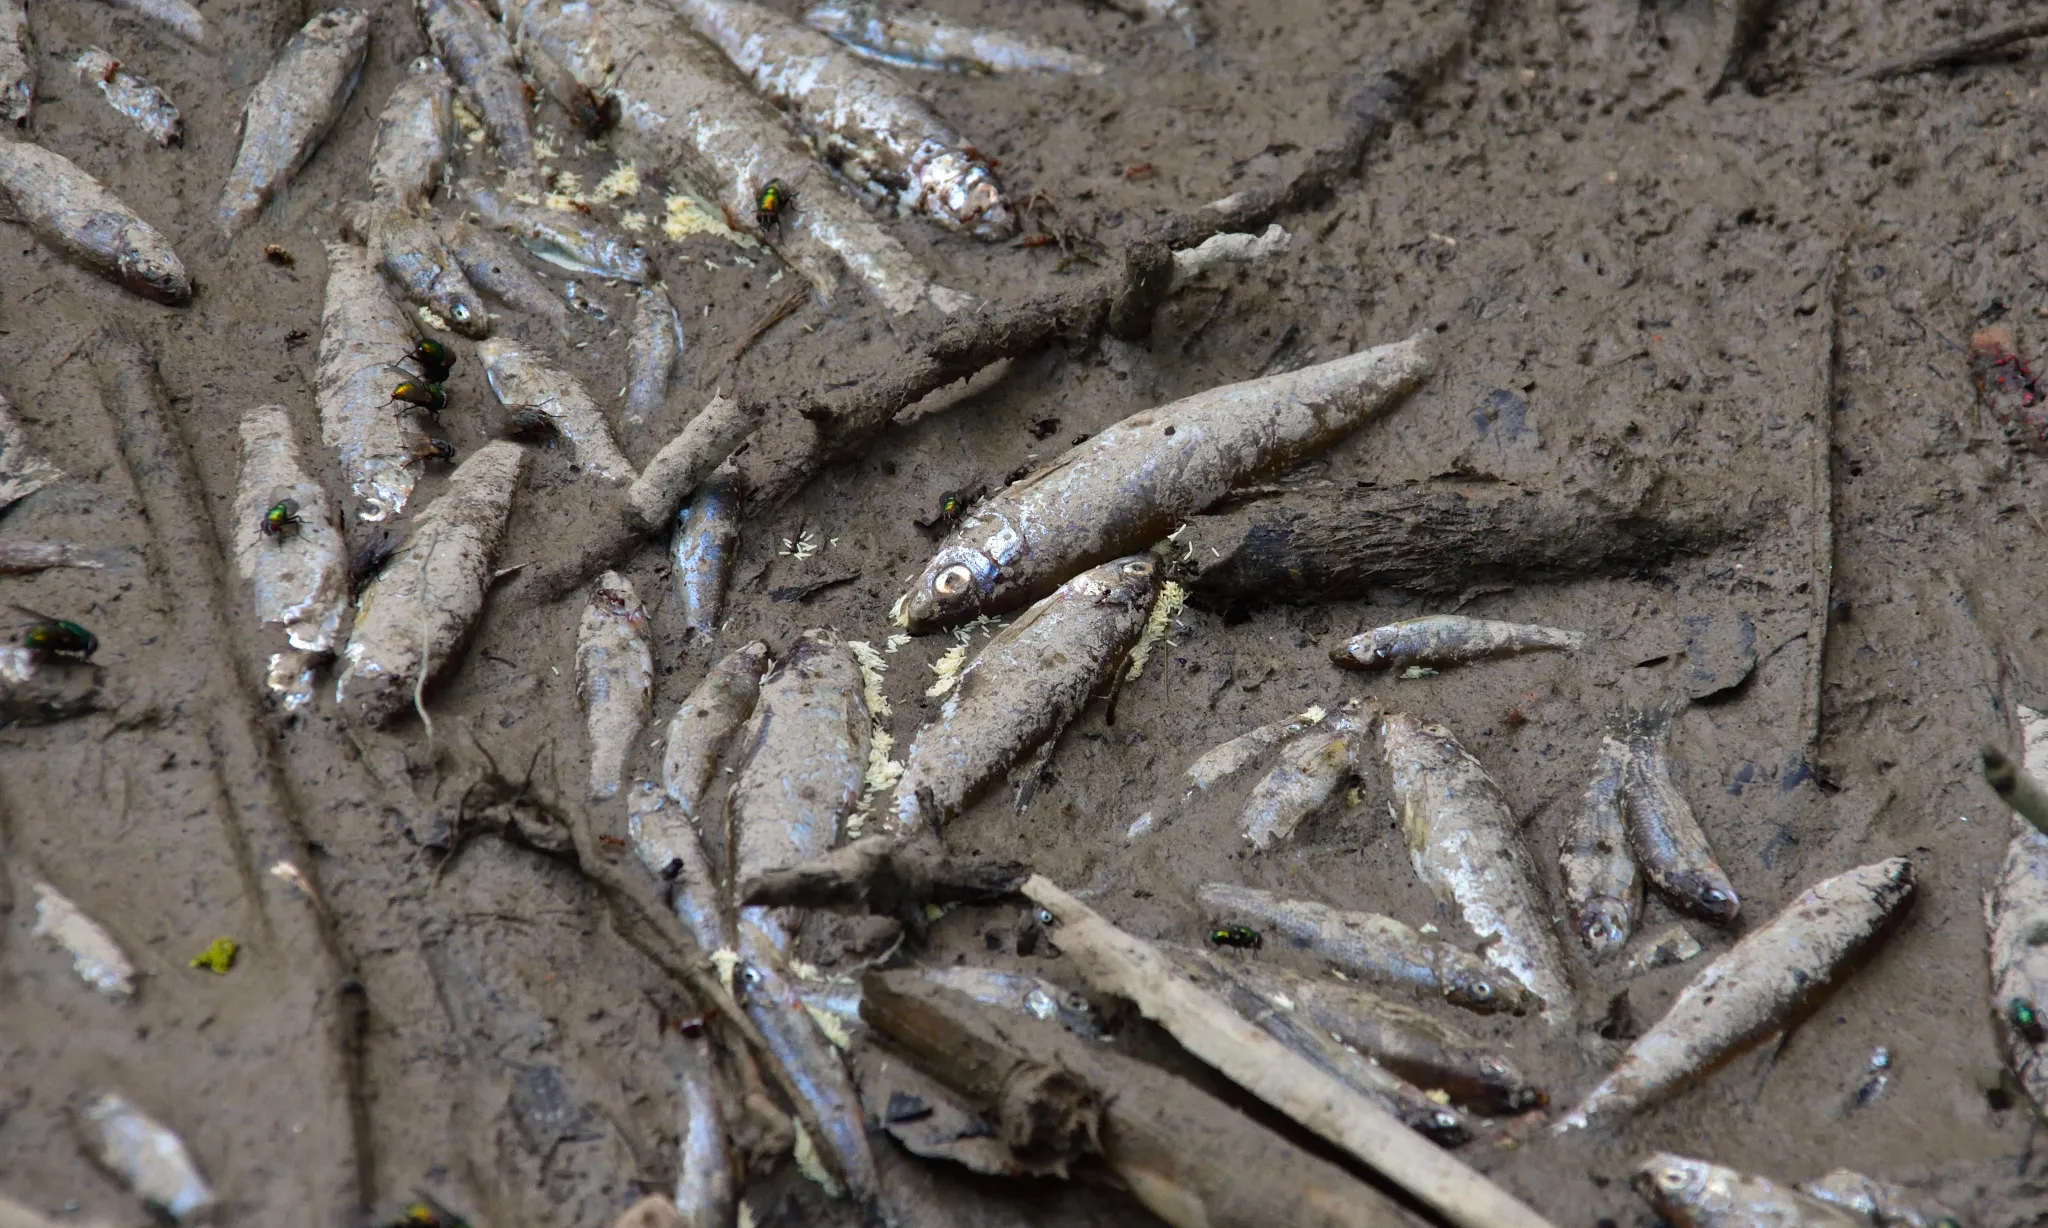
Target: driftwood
<point x="1115" y="963"/>
<point x="1190" y="1158"/>
<point x="1337" y="542"/>
<point x="882" y="876"/>
<point x="1959" y="51"/>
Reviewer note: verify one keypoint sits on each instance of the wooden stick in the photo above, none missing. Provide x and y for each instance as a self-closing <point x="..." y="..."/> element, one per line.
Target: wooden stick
<point x="1114" y="962"/>
<point x="1823" y="514"/>
<point x="1960" y="51"/>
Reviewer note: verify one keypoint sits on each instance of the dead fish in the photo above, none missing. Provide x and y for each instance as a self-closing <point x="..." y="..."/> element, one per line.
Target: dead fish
<point x="414" y="615"/>
<point x="704" y="443"/>
<point x="803" y="768"/>
<point x="19" y="557"/>
<point x="1124" y="488"/>
<point x="17" y="64"/>
<point x="1758" y="987"/>
<point x="2016" y="916"/>
<point x="594" y="115"/>
<point x="681" y="106"/>
<point x="298" y="579"/>
<point x="578" y="244"/>
<point x="1030" y="680"/>
<point x="474" y="47"/>
<point x="703" y="726"/>
<point x="493" y="267"/>
<point x="150" y="108"/>
<point x="23" y="470"/>
<point x="362" y="332"/>
<point x="1448" y="639"/>
<point x="1666" y="838"/>
<point x="654" y="341"/>
<point x="1661" y="950"/>
<point x="410" y="250"/>
<point x="523" y="378"/>
<point x="882" y="135"/>
<point x="410" y="153"/>
<point x="177" y="16"/>
<point x="913" y="38"/>
<point x="291" y="109"/>
<point x="1373" y="946"/>
<point x="1467" y="849"/>
<point x="1220" y="763"/>
<point x="1603" y="889"/>
<point x="614" y="677"/>
<point x="70" y="211"/>
<point x="1874" y="1202"/>
<point x="95" y="956"/>
<point x="707" y="1180"/>
<point x="38" y="688"/>
<point x="667" y="842"/>
<point x="701" y="552"/>
<point x="1311" y="770"/>
<point x="144" y="1153"/>
<point x="1018" y="993"/>
<point x="1695" y="1194"/>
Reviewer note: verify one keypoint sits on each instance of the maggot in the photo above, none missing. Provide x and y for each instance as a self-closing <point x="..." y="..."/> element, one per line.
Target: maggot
<point x="614" y="677"/>
<point x="409" y="248"/>
<point x="476" y="50"/>
<point x="1448" y="639"/>
<point x="362" y="332"/>
<point x="578" y="244"/>
<point x="69" y="210"/>
<point x="1692" y="1193"/>
<point x="701" y="552"/>
<point x="704" y="725"/>
<point x="654" y="341"/>
<point x="410" y="153"/>
<point x="298" y="580"/>
<point x="1760" y="986"/>
<point x="1124" y="488"/>
<point x="1667" y="839"/>
<point x="291" y="109"/>
<point x="912" y="38"/>
<point x="524" y="378"/>
<point x="1029" y="681"/>
<point x="1603" y="889"/>
<point x="414" y="615"/>
<point x="1311" y="769"/>
<point x="150" y="108"/>
<point x="145" y="1153"/>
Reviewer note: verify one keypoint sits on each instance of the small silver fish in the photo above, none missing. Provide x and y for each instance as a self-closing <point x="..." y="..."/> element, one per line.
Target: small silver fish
<point x="704" y="443"/>
<point x="144" y="1153"/>
<point x="1695" y="1194"/>
<point x="1018" y="993"/>
<point x="707" y="1180"/>
<point x="593" y="114"/>
<point x="70" y="211"/>
<point x="298" y="576"/>
<point x="410" y="153"/>
<point x="23" y="469"/>
<point x="1220" y="763"/>
<point x="1756" y="988"/>
<point x="705" y="722"/>
<point x="667" y="842"/>
<point x="362" y="333"/>
<point x="17" y="64"/>
<point x="654" y="342"/>
<point x="1603" y="889"/>
<point x="1448" y="639"/>
<point x="523" y="378"/>
<point x="913" y="38"/>
<point x="410" y="250"/>
<point x="493" y="267"/>
<point x="701" y="552"/>
<point x="475" y="48"/>
<point x="1311" y="770"/>
<point x="1667" y="840"/>
<point x="177" y="16"/>
<point x="577" y="244"/>
<point x="291" y="109"/>
<point x="1877" y="1204"/>
<point x="150" y="108"/>
<point x="95" y="956"/>
<point x="614" y="677"/>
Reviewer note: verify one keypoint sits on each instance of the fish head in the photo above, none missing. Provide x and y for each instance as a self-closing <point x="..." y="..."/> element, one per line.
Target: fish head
<point x="1487" y="994"/>
<point x="1372" y="651"/>
<point x="1673" y="1185"/>
<point x="1603" y="925"/>
<point x="961" y="191"/>
<point x="1131" y="582"/>
<point x="951" y="589"/>
<point x="1708" y="894"/>
<point x="153" y="271"/>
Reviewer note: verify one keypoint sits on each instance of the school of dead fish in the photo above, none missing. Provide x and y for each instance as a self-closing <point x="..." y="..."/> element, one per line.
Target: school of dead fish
<point x="777" y="756"/>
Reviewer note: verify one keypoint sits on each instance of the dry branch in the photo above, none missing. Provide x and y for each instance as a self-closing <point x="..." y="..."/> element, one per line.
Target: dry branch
<point x="1959" y="51"/>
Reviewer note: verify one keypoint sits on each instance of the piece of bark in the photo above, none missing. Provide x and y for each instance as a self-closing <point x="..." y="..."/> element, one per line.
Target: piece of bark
<point x="1117" y="964"/>
<point x="880" y="875"/>
<point x="1190" y="1158"/>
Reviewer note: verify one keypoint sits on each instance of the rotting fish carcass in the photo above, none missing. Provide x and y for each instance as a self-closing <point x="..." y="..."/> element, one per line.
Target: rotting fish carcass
<point x="577" y="244"/>
<point x="1018" y="993"/>
<point x="654" y="341"/>
<point x="704" y="443"/>
<point x="1448" y="639"/>
<point x="291" y="109"/>
<point x="701" y="552"/>
<point x="362" y="332"/>
<point x="298" y="578"/>
<point x="704" y="725"/>
<point x="1695" y="1194"/>
<point x="1374" y="946"/>
<point x="2016" y="915"/>
<point x="410" y="153"/>
<point x="880" y="133"/>
<point x="1756" y="988"/>
<point x="1877" y="1204"/>
<point x="150" y="108"/>
<point x="912" y="38"/>
<point x="668" y="844"/>
<point x="475" y="49"/>
<point x="614" y="677"/>
<point x="17" y="64"/>
<point x="144" y="1153"/>
<point x="593" y="114"/>
<point x="95" y="956"/>
<point x="1668" y="841"/>
<point x="707" y="1185"/>
<point x="414" y="615"/>
<point x="1311" y="769"/>
<point x="410" y="250"/>
<point x="23" y="470"/>
<point x="1124" y="488"/>
<point x="1030" y="680"/>
<point x="177" y="16"/>
<point x="493" y="267"/>
<point x="524" y="378"/>
<point x="1467" y="849"/>
<point x="1220" y="763"/>
<point x="1603" y="889"/>
<point x="69" y="210"/>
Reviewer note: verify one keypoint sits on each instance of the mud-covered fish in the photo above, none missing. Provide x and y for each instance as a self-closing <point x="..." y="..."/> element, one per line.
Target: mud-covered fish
<point x="297" y="578"/>
<point x="414" y="615"/>
<point x="524" y="378"/>
<point x="668" y="844"/>
<point x="1220" y="763"/>
<point x="1018" y="993"/>
<point x="409" y="248"/>
<point x="410" y="153"/>
<point x="1311" y="769"/>
<point x="291" y="109"/>
<point x="1467" y="849"/>
<point x="1695" y="1194"/>
<point x="177" y="16"/>
<point x="1603" y="889"/>
<point x="95" y="956"/>
<point x="362" y="332"/>
<point x="1670" y="946"/>
<point x="2016" y="915"/>
<point x="614" y="677"/>
<point x="1370" y="945"/>
<point x="704" y="443"/>
<point x="878" y="131"/>
<point x="1029" y="681"/>
<point x="593" y="114"/>
<point x="69" y="210"/>
<point x="707" y="1185"/>
<point x="493" y="267"/>
<point x="150" y="108"/>
<point x="17" y="64"/>
<point x="38" y="688"/>
<point x="1665" y="836"/>
<point x="804" y="763"/>
<point x="143" y="1152"/>
<point x="475" y="49"/>
<point x="1124" y="488"/>
<point x="1448" y="639"/>
<point x="1756" y="988"/>
<point x="701" y="552"/>
<point x="654" y="341"/>
<point x="1876" y="1204"/>
<point x="704" y="725"/>
<point x="913" y="38"/>
<point x="23" y="469"/>
<point x="683" y="109"/>
<point x="567" y="241"/>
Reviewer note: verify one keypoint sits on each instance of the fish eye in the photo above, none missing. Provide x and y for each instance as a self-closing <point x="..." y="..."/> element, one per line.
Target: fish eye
<point x="460" y="311"/>
<point x="1716" y="896"/>
<point x="1138" y="568"/>
<point x="954" y="581"/>
<point x="1045" y="917"/>
<point x="751" y="976"/>
<point x="1493" y="1066"/>
<point x="1481" y="991"/>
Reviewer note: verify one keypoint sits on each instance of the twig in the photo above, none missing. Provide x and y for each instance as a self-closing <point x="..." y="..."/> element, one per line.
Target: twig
<point x="776" y="315"/>
<point x="1960" y="51"/>
<point x="1823" y="562"/>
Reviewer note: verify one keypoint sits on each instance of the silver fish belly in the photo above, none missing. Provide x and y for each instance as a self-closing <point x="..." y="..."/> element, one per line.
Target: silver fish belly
<point x="17" y="64"/>
<point x="654" y="341"/>
<point x="143" y="1152"/>
<point x="177" y="16"/>
<point x="1874" y="1202"/>
<point x="912" y="38"/>
<point x="1311" y="770"/>
<point x="1449" y="639"/>
<point x="1754" y="989"/>
<point x="1667" y="839"/>
<point x="707" y="1188"/>
<point x="704" y="443"/>
<point x="579" y="245"/>
<point x="410" y="249"/>
<point x="493" y="267"/>
<point x="1692" y="1193"/>
<point x="1603" y="889"/>
<point x="411" y="150"/>
<point x="95" y="956"/>
<point x="704" y="725"/>
<point x="477" y="51"/>
<point x="362" y="333"/>
<point x="1029" y="681"/>
<point x="69" y="210"/>
<point x="614" y="677"/>
<point x="1220" y="763"/>
<point x="701" y="552"/>
<point x="291" y="109"/>
<point x="523" y="378"/>
<point x="1124" y="488"/>
<point x="298" y="575"/>
<point x="668" y="844"/>
<point x="150" y="108"/>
